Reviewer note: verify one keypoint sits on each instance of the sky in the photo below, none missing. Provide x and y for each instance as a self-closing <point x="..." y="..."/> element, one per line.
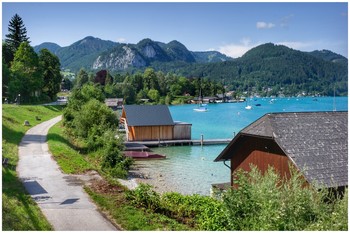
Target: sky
<point x="231" y="28"/>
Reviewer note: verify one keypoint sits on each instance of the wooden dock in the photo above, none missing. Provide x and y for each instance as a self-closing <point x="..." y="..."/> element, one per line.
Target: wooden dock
<point x="183" y="142"/>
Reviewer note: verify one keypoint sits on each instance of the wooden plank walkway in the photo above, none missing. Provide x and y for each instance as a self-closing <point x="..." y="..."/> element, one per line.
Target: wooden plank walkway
<point x="184" y="142"/>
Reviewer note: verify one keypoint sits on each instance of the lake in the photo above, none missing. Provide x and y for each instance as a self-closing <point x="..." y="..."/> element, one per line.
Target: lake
<point x="190" y="169"/>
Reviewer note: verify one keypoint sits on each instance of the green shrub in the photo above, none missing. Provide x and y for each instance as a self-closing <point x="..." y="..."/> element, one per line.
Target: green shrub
<point x="260" y="202"/>
<point x="144" y="196"/>
<point x="89" y="119"/>
<point x="265" y="202"/>
<point x="112" y="159"/>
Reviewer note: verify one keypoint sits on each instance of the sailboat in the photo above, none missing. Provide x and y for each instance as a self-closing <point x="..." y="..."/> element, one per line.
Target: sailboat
<point x="247" y="106"/>
<point x="201" y="107"/>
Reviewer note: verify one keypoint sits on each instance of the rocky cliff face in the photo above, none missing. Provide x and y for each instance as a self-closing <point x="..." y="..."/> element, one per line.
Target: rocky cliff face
<point x="119" y="60"/>
<point x="94" y="53"/>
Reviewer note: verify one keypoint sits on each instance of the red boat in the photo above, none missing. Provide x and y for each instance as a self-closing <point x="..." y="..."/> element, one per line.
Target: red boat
<point x="143" y="155"/>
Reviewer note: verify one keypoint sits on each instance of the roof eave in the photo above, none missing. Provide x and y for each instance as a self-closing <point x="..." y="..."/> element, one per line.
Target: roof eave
<point x="222" y="156"/>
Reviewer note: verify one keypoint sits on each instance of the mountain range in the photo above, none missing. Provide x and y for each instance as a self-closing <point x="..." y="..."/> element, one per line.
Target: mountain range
<point x="94" y="54"/>
<point x="264" y="67"/>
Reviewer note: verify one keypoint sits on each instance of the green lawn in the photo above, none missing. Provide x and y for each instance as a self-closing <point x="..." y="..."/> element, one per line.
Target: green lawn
<point x="19" y="211"/>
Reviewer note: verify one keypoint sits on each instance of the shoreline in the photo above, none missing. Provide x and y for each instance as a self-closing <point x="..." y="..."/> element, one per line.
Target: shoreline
<point x="136" y="176"/>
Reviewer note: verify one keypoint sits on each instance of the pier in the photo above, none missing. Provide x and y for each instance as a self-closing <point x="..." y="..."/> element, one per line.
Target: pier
<point x="181" y="142"/>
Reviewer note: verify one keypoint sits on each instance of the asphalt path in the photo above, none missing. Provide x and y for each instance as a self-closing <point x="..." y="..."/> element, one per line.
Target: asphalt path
<point x="61" y="197"/>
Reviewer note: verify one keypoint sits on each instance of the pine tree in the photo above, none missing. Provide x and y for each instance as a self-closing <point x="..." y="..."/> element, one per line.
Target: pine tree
<point x="17" y="33"/>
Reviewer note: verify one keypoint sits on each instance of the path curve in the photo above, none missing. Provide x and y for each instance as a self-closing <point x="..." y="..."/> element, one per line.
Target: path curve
<point x="64" y="203"/>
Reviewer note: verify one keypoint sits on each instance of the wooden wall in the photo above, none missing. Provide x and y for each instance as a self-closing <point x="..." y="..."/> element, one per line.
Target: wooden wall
<point x="260" y="152"/>
<point x="150" y="133"/>
<point x="182" y="131"/>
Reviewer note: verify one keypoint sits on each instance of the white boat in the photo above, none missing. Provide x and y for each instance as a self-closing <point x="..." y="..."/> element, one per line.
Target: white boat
<point x="248" y="107"/>
<point x="200" y="109"/>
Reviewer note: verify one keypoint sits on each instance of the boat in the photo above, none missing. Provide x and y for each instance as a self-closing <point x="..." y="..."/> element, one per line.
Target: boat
<point x="201" y="107"/>
<point x="143" y="155"/>
<point x="247" y="106"/>
<point x="258" y="105"/>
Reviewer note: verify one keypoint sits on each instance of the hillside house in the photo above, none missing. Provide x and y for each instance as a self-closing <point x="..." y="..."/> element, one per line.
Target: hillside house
<point x="316" y="143"/>
<point x="114" y="103"/>
<point x="152" y="123"/>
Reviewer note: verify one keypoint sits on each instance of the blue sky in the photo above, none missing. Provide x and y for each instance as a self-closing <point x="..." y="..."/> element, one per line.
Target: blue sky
<point x="230" y="27"/>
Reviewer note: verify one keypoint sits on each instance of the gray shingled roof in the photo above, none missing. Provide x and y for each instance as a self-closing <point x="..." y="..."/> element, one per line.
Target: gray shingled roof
<point x="316" y="142"/>
<point x="148" y="115"/>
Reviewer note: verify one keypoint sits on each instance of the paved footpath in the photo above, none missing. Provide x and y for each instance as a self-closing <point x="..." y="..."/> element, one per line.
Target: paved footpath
<point x="60" y="196"/>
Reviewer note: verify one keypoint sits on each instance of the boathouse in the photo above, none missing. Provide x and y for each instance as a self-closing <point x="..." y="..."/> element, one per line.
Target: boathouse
<point x="152" y="123"/>
<point x="316" y="143"/>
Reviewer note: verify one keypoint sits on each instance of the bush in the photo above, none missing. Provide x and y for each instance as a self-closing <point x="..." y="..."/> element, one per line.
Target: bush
<point x="89" y="119"/>
<point x="260" y="202"/>
<point x="112" y="159"/>
<point x="265" y="202"/>
<point x="93" y="120"/>
<point x="144" y="196"/>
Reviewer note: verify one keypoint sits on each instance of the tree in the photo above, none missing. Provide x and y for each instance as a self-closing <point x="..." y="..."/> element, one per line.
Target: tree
<point x="82" y="78"/>
<point x="153" y="95"/>
<point x="66" y="84"/>
<point x="50" y="67"/>
<point x="5" y="79"/>
<point x="26" y="77"/>
<point x="17" y="33"/>
<point x="7" y="55"/>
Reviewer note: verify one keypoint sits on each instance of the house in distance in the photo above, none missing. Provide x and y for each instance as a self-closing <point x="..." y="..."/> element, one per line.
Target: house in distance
<point x="316" y="143"/>
<point x="152" y="123"/>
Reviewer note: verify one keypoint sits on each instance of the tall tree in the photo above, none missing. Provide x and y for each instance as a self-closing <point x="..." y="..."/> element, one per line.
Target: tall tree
<point x="50" y="68"/>
<point x="26" y="78"/>
<point x="17" y="33"/>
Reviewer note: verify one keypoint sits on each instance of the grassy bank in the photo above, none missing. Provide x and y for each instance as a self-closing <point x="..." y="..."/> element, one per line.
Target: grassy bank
<point x="110" y="197"/>
<point x="19" y="211"/>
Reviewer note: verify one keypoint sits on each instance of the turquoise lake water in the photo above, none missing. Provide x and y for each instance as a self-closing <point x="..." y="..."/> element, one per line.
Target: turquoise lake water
<point x="190" y="169"/>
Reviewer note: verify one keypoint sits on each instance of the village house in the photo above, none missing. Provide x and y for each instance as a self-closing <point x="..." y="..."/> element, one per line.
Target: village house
<point x="315" y="143"/>
<point x="152" y="123"/>
<point x="114" y="103"/>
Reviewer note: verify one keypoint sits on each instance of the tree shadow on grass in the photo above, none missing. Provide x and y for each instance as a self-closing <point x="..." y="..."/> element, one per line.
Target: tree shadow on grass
<point x="58" y="138"/>
<point x="14" y="192"/>
<point x="11" y="136"/>
<point x="55" y="108"/>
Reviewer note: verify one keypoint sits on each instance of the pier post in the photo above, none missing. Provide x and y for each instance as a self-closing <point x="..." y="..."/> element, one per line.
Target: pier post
<point x="202" y="140"/>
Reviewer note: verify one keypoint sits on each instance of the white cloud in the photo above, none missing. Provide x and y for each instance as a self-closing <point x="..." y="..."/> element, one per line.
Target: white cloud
<point x="237" y="49"/>
<point x="285" y="21"/>
<point x="264" y="25"/>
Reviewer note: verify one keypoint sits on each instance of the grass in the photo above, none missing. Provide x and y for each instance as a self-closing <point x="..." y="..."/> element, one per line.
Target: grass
<point x="110" y="197"/>
<point x="66" y="154"/>
<point x="130" y="217"/>
<point x="19" y="211"/>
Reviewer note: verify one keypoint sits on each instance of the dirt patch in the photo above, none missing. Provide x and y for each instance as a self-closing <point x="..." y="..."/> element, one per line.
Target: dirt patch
<point x="104" y="187"/>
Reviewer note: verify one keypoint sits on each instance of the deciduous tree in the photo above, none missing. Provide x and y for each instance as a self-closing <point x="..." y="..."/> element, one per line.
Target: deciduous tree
<point x="50" y="67"/>
<point x="26" y="78"/>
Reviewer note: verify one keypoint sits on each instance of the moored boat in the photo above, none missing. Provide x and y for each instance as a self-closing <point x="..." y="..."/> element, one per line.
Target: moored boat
<point x="143" y="155"/>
